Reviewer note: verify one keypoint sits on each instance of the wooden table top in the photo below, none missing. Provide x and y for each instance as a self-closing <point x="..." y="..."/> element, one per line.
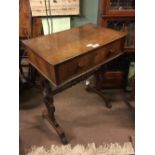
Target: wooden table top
<point x="62" y="46"/>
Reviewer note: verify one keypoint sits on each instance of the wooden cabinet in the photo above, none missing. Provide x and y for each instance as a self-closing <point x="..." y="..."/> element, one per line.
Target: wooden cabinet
<point x="118" y="15"/>
<point x="28" y="28"/>
<point x="117" y="8"/>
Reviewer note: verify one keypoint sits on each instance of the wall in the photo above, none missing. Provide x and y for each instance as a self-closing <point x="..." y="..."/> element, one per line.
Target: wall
<point x="89" y="12"/>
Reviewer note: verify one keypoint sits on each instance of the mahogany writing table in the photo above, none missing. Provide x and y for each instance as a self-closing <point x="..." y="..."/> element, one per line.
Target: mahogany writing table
<point x="65" y="58"/>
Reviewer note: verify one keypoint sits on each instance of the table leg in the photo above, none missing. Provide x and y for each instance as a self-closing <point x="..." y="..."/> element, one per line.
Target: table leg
<point x="94" y="86"/>
<point x="95" y="90"/>
<point x="49" y="114"/>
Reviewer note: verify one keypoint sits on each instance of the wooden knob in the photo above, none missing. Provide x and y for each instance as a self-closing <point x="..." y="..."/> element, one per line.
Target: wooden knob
<point x="111" y="50"/>
<point x="80" y="65"/>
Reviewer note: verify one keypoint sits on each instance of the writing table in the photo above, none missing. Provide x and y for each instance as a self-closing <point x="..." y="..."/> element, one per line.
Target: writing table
<point x="68" y="57"/>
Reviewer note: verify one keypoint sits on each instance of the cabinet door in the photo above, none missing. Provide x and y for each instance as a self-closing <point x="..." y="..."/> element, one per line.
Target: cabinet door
<point x="119" y="7"/>
<point x="122" y="4"/>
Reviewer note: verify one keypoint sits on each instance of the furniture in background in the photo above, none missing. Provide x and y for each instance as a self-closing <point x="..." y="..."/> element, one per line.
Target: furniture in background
<point x="28" y="27"/>
<point x="118" y="15"/>
<point x="68" y="57"/>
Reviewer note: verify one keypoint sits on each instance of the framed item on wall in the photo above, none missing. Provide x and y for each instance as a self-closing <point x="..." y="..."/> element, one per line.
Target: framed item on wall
<point x="55" y="7"/>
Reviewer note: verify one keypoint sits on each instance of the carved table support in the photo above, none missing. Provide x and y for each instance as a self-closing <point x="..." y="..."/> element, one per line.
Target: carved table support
<point x="49" y="114"/>
<point x="95" y="90"/>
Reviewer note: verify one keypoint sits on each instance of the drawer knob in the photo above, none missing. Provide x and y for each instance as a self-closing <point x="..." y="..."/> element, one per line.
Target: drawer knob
<point x="111" y="50"/>
<point x="80" y="65"/>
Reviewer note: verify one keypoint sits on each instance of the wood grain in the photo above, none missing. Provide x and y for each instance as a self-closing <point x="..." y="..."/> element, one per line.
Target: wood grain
<point x="64" y="55"/>
<point x="24" y="18"/>
<point x="62" y="46"/>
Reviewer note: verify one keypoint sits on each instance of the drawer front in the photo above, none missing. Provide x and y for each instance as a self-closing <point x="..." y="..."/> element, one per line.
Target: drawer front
<point x="115" y="48"/>
<point x="83" y="63"/>
<point x="42" y="66"/>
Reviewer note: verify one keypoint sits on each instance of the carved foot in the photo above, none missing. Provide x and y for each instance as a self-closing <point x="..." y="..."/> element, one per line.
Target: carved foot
<point x="108" y="104"/>
<point x="90" y="88"/>
<point x="57" y="127"/>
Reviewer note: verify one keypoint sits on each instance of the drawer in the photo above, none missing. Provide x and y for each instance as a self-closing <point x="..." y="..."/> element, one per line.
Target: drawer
<point x="114" y="48"/>
<point x="41" y="65"/>
<point x="81" y="64"/>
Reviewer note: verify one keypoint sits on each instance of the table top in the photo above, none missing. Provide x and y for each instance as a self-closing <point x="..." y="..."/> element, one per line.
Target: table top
<point x="62" y="46"/>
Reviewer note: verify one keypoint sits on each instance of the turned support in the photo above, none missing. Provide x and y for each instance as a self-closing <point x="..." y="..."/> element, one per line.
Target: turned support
<point x="94" y="89"/>
<point x="49" y="114"/>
